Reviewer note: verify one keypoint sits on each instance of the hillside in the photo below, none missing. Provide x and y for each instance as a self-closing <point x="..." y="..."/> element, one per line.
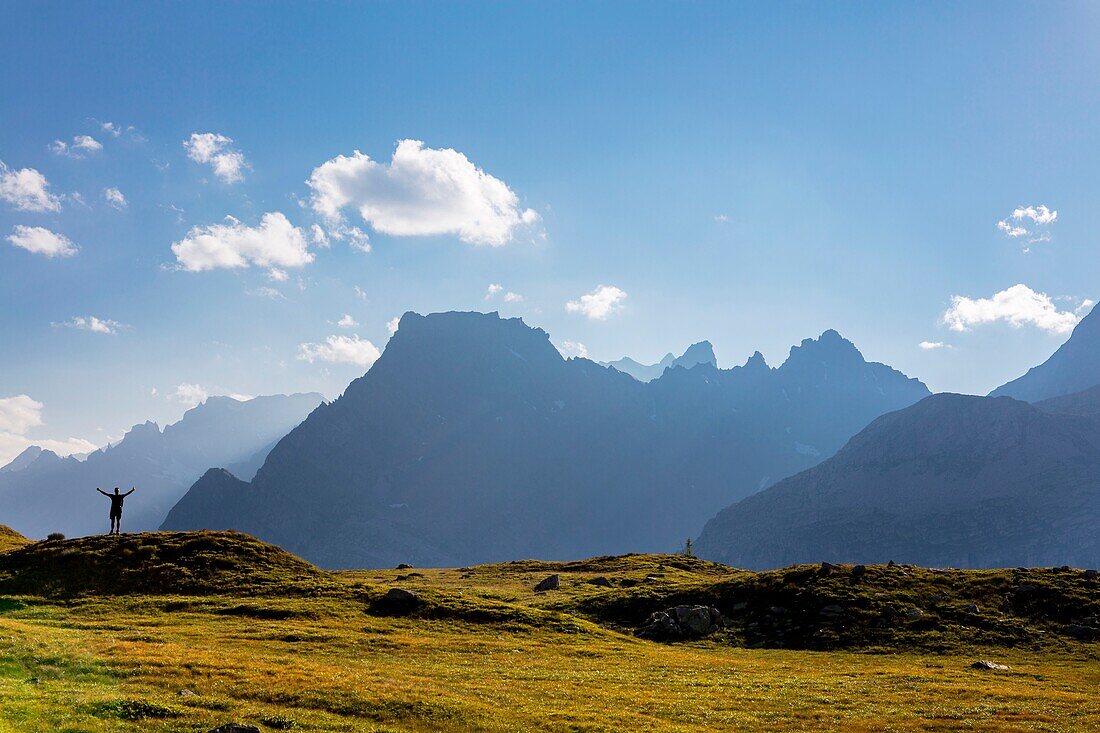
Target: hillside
<point x="41" y="492"/>
<point x="951" y="481"/>
<point x="1074" y="367"/>
<point x="254" y="636"/>
<point x="471" y="440"/>
<point x="193" y="563"/>
<point x="10" y="539"/>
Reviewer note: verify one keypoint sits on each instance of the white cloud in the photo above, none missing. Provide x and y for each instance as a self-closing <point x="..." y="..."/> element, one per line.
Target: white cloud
<point x="1016" y="224"/>
<point x="17" y="416"/>
<point x="190" y="394"/>
<point x="511" y="297"/>
<point x="277" y="275"/>
<point x="93" y="324"/>
<point x="27" y="190"/>
<point x="341" y="350"/>
<point x="115" y="198"/>
<point x="1018" y="305"/>
<point x="78" y="148"/>
<point x="347" y="321"/>
<point x="276" y="242"/>
<point x="492" y="290"/>
<point x="42" y="241"/>
<point x="721" y="218"/>
<point x="573" y="348"/>
<point x="421" y="191"/>
<point x="111" y="128"/>
<point x="319" y="236"/>
<point x="213" y="149"/>
<point x="932" y="345"/>
<point x="392" y="324"/>
<point x="266" y="292"/>
<point x="599" y="304"/>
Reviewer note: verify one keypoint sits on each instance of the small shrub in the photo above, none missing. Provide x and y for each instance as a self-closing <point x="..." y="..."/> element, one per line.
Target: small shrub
<point x="131" y="710"/>
<point x="54" y="537"/>
<point x="278" y="722"/>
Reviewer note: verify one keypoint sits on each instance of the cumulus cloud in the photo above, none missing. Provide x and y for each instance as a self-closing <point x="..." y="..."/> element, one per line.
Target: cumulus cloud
<point x="213" y="149"/>
<point x="18" y="415"/>
<point x="80" y="146"/>
<point x="573" y="348"/>
<point x="275" y="243"/>
<point x="277" y="275"/>
<point x="1018" y="306"/>
<point x="111" y="128"/>
<point x="1032" y="222"/>
<point x="599" y="304"/>
<point x="393" y="324"/>
<point x="421" y="191"/>
<point x="341" y="350"/>
<point x="933" y="345"/>
<point x="93" y="324"/>
<point x="318" y="235"/>
<point x="190" y="394"/>
<point x="114" y="198"/>
<point x="721" y="218"/>
<point x="27" y="190"/>
<point x="42" y="241"/>
<point x="347" y="321"/>
<point x="511" y="297"/>
<point x="492" y="290"/>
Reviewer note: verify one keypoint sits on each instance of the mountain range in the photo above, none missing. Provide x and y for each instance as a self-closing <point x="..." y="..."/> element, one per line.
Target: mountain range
<point x="472" y="440"/>
<point x="953" y="480"/>
<point x="700" y="353"/>
<point x="42" y="493"/>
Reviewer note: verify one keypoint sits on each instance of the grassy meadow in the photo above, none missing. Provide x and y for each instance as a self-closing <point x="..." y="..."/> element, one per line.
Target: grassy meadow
<point x="233" y="630"/>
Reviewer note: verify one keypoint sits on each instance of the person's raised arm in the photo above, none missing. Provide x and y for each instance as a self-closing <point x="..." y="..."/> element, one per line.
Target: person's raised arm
<point x="132" y="490"/>
<point x="101" y="491"/>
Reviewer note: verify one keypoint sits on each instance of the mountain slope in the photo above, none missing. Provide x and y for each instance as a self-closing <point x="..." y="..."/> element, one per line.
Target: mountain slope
<point x="1074" y="367"/>
<point x="47" y="493"/>
<point x="953" y="480"/>
<point x="471" y="439"/>
<point x="700" y="353"/>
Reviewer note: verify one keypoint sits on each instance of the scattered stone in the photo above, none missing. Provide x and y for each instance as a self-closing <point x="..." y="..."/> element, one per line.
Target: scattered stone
<point x="235" y="728"/>
<point x="32" y="681"/>
<point x="651" y="578"/>
<point x="1092" y="574"/>
<point x="403" y="566"/>
<point x="186" y="693"/>
<point x="628" y="582"/>
<point x="972" y="608"/>
<point x="600" y="581"/>
<point x="1081" y="632"/>
<point x="398" y="601"/>
<point x="859" y="571"/>
<point x="827" y="568"/>
<point x="682" y="622"/>
<point x="552" y="582"/>
<point x="986" y="664"/>
<point x="572" y="629"/>
<point x="914" y="614"/>
<point x="891" y="564"/>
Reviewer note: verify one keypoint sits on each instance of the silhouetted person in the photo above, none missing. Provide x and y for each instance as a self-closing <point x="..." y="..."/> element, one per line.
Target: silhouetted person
<point x="116" y="507"/>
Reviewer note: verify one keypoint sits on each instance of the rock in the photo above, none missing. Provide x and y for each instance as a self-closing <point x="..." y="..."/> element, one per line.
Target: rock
<point x="652" y="578"/>
<point x="859" y="571"/>
<point x="777" y="611"/>
<point x="740" y="606"/>
<point x="832" y="611"/>
<point x="628" y="582"/>
<point x="914" y="614"/>
<point x="986" y="664"/>
<point x="600" y="581"/>
<point x="398" y="601"/>
<point x="403" y="566"/>
<point x="1092" y="574"/>
<point x="186" y="693"/>
<point x="972" y="608"/>
<point x="1081" y="632"/>
<point x="827" y="567"/>
<point x="680" y="622"/>
<point x="32" y="681"/>
<point x="552" y="582"/>
<point x="235" y="728"/>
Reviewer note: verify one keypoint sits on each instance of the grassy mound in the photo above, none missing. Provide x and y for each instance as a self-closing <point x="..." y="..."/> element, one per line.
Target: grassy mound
<point x="187" y="563"/>
<point x="10" y="539"/>
<point x="878" y="606"/>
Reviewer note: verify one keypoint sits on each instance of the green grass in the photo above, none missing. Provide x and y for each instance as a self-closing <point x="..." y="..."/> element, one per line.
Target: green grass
<point x="484" y="652"/>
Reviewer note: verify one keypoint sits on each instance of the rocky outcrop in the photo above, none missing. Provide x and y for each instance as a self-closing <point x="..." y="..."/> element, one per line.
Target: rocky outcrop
<point x="682" y="622"/>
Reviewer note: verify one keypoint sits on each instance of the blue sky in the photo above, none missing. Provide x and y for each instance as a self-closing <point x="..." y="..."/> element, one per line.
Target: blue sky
<point x="752" y="174"/>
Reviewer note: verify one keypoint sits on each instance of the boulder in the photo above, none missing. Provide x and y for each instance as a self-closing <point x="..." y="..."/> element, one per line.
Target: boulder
<point x="398" y="601"/>
<point x="600" y="581"/>
<point x="914" y="614"/>
<point x="859" y="571"/>
<point x="403" y="566"/>
<point x="682" y="622"/>
<point x="1081" y="632"/>
<point x="972" y="608"/>
<point x="1092" y="574"/>
<point x="552" y="582"/>
<point x="988" y="665"/>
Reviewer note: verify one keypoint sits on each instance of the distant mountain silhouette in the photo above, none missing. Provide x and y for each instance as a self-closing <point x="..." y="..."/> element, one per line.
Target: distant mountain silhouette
<point x="1074" y="367"/>
<point x="951" y="481"/>
<point x="471" y="439"/>
<point x="700" y="353"/>
<point x="42" y="493"/>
